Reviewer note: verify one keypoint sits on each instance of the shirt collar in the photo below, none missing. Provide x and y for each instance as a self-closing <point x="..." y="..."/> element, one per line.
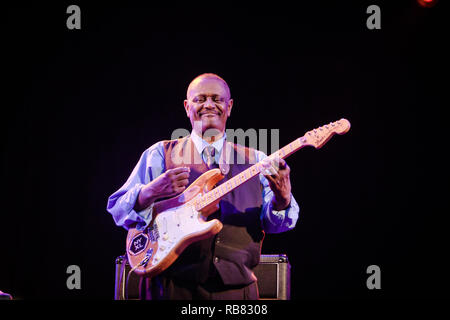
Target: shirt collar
<point x="201" y="144"/>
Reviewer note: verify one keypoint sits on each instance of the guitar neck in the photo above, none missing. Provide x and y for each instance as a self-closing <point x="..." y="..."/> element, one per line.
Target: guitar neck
<point x="316" y="138"/>
<point x="225" y="188"/>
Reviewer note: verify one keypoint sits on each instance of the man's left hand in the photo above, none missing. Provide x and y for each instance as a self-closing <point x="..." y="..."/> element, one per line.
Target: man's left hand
<point x="277" y="172"/>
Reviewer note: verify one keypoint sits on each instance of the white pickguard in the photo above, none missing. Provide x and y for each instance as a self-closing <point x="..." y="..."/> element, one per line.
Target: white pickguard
<point x="176" y="224"/>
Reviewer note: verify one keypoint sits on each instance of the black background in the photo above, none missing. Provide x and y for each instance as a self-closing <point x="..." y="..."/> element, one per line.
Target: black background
<point x="80" y="106"/>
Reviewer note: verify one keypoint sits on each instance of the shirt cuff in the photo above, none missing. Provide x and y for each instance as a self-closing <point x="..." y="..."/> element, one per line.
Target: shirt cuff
<point x="146" y="217"/>
<point x="125" y="214"/>
<point x="278" y="221"/>
<point x="276" y="217"/>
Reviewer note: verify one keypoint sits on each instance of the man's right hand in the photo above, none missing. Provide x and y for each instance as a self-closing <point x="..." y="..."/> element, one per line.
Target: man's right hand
<point x="170" y="183"/>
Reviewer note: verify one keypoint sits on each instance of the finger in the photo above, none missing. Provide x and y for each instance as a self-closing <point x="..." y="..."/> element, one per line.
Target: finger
<point x="179" y="189"/>
<point x="281" y="163"/>
<point x="265" y="162"/>
<point x="278" y="163"/>
<point x="271" y="180"/>
<point x="269" y="172"/>
<point x="182" y="183"/>
<point x="273" y="171"/>
<point x="267" y="167"/>
<point x="179" y="170"/>
<point x="181" y="176"/>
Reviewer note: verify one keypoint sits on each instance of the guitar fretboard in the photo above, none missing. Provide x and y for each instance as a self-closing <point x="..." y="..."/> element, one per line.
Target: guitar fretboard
<point x="220" y="191"/>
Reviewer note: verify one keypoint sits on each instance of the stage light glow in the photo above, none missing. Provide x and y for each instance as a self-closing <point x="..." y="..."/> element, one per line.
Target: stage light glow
<point x="427" y="3"/>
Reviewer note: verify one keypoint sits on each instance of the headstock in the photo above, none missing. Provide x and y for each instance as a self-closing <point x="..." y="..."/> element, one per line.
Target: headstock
<point x="319" y="136"/>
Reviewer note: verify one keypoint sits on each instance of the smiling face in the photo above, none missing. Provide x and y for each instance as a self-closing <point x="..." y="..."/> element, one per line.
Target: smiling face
<point x="208" y="103"/>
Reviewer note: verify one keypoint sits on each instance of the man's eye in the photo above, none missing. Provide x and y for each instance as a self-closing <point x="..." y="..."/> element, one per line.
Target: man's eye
<point x="200" y="99"/>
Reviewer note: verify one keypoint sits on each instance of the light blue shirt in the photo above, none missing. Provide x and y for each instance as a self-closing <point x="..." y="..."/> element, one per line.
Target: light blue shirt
<point x="151" y="165"/>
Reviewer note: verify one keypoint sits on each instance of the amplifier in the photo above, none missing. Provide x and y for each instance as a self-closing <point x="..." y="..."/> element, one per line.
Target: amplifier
<point x="273" y="273"/>
<point x="274" y="277"/>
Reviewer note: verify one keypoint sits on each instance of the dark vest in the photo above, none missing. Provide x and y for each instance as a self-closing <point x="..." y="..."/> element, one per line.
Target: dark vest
<point x="236" y="249"/>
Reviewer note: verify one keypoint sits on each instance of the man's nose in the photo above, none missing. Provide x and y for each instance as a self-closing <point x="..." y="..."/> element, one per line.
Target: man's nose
<point x="209" y="103"/>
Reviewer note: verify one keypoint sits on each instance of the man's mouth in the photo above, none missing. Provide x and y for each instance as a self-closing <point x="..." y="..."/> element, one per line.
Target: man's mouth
<point x="209" y="114"/>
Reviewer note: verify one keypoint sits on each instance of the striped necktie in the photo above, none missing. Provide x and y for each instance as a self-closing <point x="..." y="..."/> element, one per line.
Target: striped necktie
<point x="209" y="153"/>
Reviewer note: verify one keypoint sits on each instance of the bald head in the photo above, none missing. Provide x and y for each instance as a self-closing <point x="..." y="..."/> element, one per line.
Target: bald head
<point x="207" y="78"/>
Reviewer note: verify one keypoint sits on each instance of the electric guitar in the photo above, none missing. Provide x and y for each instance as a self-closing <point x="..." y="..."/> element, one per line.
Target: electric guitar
<point x="179" y="221"/>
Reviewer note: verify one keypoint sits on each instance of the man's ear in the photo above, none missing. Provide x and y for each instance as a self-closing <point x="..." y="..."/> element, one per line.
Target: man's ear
<point x="230" y="105"/>
<point x="187" y="107"/>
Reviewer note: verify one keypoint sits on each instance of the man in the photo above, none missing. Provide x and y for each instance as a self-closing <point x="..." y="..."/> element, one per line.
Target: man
<point x="219" y="267"/>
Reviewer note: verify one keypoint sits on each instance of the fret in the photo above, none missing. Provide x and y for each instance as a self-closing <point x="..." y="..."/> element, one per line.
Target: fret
<point x="286" y="151"/>
<point x="295" y="144"/>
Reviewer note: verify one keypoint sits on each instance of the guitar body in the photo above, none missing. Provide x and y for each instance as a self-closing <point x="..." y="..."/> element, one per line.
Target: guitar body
<point x="175" y="225"/>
